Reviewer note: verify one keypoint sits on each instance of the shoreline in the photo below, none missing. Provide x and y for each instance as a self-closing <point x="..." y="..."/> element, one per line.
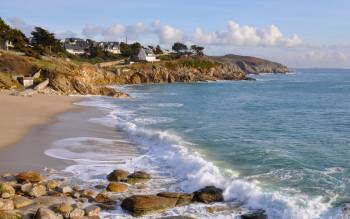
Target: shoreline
<point x="19" y="115"/>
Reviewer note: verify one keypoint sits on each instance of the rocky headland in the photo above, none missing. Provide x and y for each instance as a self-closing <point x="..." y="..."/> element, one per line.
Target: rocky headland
<point x="67" y="76"/>
<point x="251" y="65"/>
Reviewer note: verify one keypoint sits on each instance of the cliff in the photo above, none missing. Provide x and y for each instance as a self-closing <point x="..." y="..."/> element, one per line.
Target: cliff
<point x="180" y="70"/>
<point x="251" y="65"/>
<point x="73" y="77"/>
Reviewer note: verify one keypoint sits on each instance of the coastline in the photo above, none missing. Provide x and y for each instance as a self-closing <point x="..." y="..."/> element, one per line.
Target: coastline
<point x="19" y="115"/>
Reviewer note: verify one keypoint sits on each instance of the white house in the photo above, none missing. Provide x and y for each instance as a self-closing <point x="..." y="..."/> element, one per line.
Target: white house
<point x="6" y="45"/>
<point x="75" y="46"/>
<point x="113" y="47"/>
<point x="147" y="55"/>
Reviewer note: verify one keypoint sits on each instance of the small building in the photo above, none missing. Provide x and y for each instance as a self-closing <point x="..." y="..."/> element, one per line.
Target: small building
<point x="26" y="81"/>
<point x="6" y="44"/>
<point x="76" y="46"/>
<point x="147" y="55"/>
<point x="112" y="47"/>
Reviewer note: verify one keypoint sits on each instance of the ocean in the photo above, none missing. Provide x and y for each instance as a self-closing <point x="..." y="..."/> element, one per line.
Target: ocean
<point x="280" y="143"/>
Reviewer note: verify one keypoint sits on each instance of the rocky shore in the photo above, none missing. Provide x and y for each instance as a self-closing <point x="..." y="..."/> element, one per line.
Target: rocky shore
<point x="66" y="77"/>
<point x="46" y="196"/>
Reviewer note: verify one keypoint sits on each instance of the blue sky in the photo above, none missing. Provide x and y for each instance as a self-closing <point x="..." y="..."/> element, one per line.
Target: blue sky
<point x="305" y="33"/>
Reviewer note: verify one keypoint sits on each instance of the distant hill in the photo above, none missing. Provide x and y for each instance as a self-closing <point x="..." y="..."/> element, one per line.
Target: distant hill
<point x="251" y="65"/>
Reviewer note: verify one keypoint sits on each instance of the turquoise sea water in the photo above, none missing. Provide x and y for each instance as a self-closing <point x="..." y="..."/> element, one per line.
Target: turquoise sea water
<point x="280" y="143"/>
<point x="287" y="133"/>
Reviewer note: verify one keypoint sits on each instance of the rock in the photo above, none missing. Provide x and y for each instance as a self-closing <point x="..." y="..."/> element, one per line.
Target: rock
<point x="52" y="184"/>
<point x="92" y="210"/>
<point x="177" y="217"/>
<point x="37" y="191"/>
<point x="76" y="188"/>
<point x="107" y="206"/>
<point x="138" y="177"/>
<point x="66" y="189"/>
<point x="118" y="175"/>
<point x="10" y="215"/>
<point x="346" y="209"/>
<point x="29" y="176"/>
<point x="6" y="205"/>
<point x="139" y="205"/>
<point x="76" y="195"/>
<point x="77" y="212"/>
<point x="21" y="201"/>
<point x="89" y="193"/>
<point x="26" y="187"/>
<point x="8" y="177"/>
<point x="45" y="213"/>
<point x="103" y="198"/>
<point x="182" y="198"/>
<point x="6" y="190"/>
<point x="257" y="214"/>
<point x="208" y="194"/>
<point x="53" y="201"/>
<point x="117" y="187"/>
<point x="65" y="209"/>
<point x="6" y="195"/>
<point x="100" y="186"/>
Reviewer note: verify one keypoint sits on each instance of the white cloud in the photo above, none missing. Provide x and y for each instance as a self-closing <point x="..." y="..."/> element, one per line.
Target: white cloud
<point x="167" y="34"/>
<point x="91" y="31"/>
<point x="66" y="34"/>
<point x="236" y="34"/>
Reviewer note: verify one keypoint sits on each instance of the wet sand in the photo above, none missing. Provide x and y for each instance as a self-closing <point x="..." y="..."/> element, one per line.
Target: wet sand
<point x="29" y="153"/>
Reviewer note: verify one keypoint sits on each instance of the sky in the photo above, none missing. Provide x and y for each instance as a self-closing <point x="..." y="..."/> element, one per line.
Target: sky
<point x="298" y="33"/>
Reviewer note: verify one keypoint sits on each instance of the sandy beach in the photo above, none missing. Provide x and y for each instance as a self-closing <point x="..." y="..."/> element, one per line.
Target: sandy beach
<point x="18" y="115"/>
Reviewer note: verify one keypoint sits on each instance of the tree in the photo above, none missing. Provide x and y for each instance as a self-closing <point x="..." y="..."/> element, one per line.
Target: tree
<point x="179" y="48"/>
<point x="158" y="50"/>
<point x="45" y="42"/>
<point x="198" y="50"/>
<point x="18" y="39"/>
<point x="130" y="50"/>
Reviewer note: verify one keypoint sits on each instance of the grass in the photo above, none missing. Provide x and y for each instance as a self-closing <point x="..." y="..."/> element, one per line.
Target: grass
<point x="203" y="64"/>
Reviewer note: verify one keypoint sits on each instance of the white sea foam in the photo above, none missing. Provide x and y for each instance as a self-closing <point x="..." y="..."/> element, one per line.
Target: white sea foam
<point x="171" y="158"/>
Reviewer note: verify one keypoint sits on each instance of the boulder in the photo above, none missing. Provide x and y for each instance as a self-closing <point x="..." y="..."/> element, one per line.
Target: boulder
<point x="25" y="188"/>
<point x="6" y="205"/>
<point x="177" y="217"/>
<point x="52" y="184"/>
<point x="118" y="175"/>
<point x="208" y="194"/>
<point x="64" y="209"/>
<point x="182" y="198"/>
<point x="77" y="213"/>
<point x="92" y="210"/>
<point x="66" y="189"/>
<point x="45" y="213"/>
<point x="37" y="191"/>
<point x="6" y="190"/>
<point x="107" y="206"/>
<point x="139" y="205"/>
<point x="117" y="187"/>
<point x="103" y="198"/>
<point x="21" y="201"/>
<point x="89" y="193"/>
<point x="30" y="176"/>
<point x="256" y="214"/>
<point x="10" y="215"/>
<point x="138" y="177"/>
